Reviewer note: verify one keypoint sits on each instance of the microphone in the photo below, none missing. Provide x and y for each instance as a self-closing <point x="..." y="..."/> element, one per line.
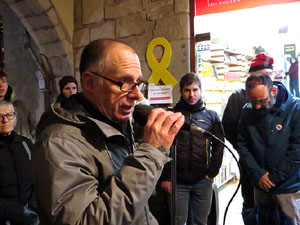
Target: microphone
<point x="141" y="113"/>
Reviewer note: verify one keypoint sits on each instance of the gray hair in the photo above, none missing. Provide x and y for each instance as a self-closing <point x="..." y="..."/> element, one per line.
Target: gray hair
<point x="10" y="105"/>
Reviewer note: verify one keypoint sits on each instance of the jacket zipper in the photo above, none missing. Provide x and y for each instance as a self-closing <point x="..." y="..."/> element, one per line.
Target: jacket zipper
<point x="190" y="145"/>
<point x="207" y="150"/>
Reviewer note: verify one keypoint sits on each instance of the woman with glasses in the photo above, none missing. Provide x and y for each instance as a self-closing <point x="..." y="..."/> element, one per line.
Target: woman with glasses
<point x="17" y="200"/>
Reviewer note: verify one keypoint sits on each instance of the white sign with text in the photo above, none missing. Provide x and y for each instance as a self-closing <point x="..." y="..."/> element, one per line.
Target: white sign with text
<point x="161" y="94"/>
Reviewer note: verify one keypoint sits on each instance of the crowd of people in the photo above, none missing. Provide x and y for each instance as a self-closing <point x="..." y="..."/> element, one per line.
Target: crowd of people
<point x="86" y="167"/>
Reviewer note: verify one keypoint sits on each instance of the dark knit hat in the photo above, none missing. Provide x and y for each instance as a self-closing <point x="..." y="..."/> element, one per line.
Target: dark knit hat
<point x="261" y="61"/>
<point x="65" y="80"/>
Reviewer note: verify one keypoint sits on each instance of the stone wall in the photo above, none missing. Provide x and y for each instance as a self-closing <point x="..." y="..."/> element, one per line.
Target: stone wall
<point x="136" y="22"/>
<point x="19" y="65"/>
<point x="65" y="11"/>
<point x="48" y="30"/>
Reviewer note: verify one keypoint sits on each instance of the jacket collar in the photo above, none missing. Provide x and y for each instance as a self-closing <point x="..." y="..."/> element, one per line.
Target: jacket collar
<point x="12" y="138"/>
<point x="79" y="112"/>
<point x="182" y="105"/>
<point x="282" y="97"/>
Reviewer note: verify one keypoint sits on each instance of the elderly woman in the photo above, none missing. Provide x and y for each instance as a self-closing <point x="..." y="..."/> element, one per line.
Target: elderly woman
<point x="16" y="188"/>
<point x="68" y="86"/>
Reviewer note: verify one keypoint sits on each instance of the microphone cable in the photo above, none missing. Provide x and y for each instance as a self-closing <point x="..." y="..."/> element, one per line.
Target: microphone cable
<point x="141" y="113"/>
<point x="238" y="164"/>
<point x="239" y="184"/>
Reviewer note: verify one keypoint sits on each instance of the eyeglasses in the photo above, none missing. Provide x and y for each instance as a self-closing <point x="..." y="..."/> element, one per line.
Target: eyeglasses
<point x="126" y="86"/>
<point x="9" y="116"/>
<point x="262" y="102"/>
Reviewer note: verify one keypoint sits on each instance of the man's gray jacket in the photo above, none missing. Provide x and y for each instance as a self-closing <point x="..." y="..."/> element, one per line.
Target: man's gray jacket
<point x="85" y="172"/>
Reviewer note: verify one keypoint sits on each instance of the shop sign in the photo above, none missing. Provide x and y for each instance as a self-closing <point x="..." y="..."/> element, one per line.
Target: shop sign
<point x="161" y="94"/>
<point x="290" y="49"/>
<point x="216" y="6"/>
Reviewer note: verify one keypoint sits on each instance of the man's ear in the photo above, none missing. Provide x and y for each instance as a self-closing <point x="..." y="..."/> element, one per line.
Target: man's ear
<point x="87" y="80"/>
<point x="274" y="90"/>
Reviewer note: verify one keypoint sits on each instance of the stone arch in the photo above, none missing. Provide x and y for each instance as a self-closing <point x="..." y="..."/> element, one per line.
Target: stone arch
<point x="43" y="24"/>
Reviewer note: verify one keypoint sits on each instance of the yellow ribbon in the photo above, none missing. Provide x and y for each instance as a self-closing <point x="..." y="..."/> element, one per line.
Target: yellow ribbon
<point x="160" y="69"/>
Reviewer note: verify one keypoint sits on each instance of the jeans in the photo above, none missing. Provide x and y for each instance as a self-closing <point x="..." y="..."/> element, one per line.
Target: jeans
<point x="199" y="196"/>
<point x="247" y="189"/>
<point x="294" y="87"/>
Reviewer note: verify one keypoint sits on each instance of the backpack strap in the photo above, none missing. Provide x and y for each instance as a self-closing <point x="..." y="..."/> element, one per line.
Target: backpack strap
<point x="27" y="149"/>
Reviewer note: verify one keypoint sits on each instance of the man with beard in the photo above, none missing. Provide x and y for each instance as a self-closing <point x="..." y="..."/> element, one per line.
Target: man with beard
<point x="199" y="157"/>
<point x="269" y="145"/>
<point x="261" y="64"/>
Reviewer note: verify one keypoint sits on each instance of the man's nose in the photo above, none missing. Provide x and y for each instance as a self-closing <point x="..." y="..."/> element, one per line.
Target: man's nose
<point x="135" y="93"/>
<point x="257" y="106"/>
<point x="4" y="119"/>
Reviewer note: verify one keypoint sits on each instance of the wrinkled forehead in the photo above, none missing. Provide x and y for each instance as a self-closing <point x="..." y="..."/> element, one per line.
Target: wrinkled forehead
<point x="123" y="61"/>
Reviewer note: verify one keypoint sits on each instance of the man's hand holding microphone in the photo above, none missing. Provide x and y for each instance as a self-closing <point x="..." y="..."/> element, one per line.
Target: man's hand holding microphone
<point x="162" y="127"/>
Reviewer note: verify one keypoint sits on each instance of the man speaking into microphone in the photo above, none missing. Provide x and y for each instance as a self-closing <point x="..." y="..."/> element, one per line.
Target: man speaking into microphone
<point x="87" y="168"/>
<point x="199" y="156"/>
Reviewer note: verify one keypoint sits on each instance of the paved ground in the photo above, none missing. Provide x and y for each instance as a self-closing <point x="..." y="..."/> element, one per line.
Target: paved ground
<point x="233" y="216"/>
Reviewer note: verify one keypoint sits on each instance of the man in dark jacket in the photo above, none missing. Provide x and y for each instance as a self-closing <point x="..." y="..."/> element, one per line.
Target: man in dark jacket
<point x="87" y="168"/>
<point x="261" y="64"/>
<point x="199" y="156"/>
<point x="269" y="143"/>
<point x="294" y="77"/>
